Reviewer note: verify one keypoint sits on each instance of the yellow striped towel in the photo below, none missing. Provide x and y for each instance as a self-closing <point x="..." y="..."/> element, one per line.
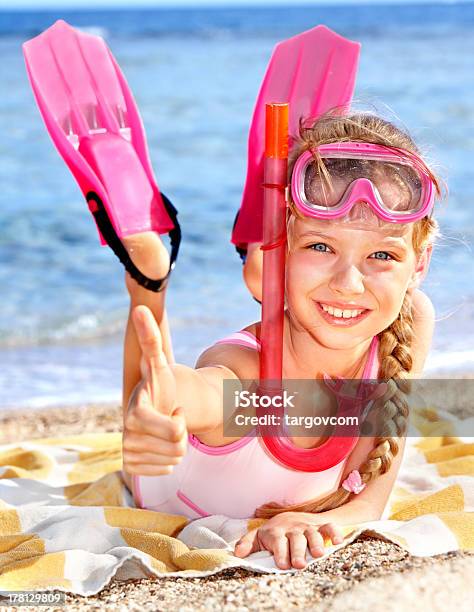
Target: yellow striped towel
<point x="67" y="521"/>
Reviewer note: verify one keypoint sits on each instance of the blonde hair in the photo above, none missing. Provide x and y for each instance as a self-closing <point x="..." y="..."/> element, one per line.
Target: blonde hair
<point x="395" y="341"/>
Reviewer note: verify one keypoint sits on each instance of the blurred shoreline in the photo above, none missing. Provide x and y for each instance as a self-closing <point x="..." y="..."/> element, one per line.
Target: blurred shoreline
<point x="88" y="373"/>
<point x="22" y="422"/>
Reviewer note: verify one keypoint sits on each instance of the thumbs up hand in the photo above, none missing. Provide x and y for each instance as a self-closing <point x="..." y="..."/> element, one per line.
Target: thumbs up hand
<point x="155" y="434"/>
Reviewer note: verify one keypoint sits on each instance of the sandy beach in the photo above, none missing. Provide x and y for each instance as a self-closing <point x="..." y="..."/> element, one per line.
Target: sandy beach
<point x="367" y="573"/>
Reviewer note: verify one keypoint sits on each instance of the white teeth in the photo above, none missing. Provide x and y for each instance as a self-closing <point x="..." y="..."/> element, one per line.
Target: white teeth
<point x="341" y="314"/>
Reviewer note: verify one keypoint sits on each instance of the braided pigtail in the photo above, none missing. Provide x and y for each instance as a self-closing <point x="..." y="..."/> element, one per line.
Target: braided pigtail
<point x="391" y="409"/>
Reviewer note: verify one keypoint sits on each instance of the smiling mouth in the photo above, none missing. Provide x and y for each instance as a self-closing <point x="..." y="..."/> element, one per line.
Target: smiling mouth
<point x="340" y="316"/>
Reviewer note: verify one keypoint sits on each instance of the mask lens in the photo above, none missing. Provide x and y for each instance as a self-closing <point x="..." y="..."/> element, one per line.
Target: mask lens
<point x="398" y="185"/>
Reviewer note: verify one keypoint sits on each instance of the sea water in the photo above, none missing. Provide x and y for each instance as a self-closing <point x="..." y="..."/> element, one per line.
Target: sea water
<point x="195" y="75"/>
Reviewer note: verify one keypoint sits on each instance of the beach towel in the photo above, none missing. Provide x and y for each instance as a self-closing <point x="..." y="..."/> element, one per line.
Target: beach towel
<point x="68" y="523"/>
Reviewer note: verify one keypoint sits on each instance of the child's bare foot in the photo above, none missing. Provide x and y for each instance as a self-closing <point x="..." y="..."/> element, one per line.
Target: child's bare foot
<point x="148" y="253"/>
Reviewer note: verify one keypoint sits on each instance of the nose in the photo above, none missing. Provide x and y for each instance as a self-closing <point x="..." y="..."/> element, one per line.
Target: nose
<point x="347" y="281"/>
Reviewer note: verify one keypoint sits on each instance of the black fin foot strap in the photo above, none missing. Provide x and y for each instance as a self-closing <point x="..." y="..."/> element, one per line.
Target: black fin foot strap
<point x="241" y="249"/>
<point x="110" y="236"/>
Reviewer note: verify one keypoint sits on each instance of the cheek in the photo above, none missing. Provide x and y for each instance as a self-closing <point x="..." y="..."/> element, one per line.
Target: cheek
<point x="389" y="287"/>
<point x="302" y="274"/>
<point x="305" y="266"/>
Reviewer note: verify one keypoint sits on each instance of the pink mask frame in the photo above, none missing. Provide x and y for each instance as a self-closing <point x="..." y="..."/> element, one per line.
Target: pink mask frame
<point x="363" y="189"/>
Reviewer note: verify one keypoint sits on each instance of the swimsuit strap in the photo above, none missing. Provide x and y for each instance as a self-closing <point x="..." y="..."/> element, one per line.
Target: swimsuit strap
<point x="243" y="338"/>
<point x="372" y="365"/>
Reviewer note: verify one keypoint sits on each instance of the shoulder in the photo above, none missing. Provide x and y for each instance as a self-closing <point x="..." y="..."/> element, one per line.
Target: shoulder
<point x="423" y="328"/>
<point x="254" y="329"/>
<point x="243" y="361"/>
<point x="423" y="308"/>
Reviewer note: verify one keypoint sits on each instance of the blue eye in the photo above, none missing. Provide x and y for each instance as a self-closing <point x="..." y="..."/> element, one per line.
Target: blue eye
<point x="388" y="258"/>
<point x="322" y="247"/>
<point x="316" y="245"/>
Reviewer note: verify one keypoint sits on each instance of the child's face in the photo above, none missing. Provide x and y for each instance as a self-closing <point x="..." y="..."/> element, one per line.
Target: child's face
<point x="352" y="265"/>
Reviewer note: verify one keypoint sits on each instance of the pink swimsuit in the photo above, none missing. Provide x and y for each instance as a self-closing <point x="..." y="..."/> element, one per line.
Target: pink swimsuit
<point x="235" y="479"/>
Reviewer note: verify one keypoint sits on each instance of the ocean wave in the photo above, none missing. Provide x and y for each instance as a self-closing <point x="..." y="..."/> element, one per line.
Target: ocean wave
<point x="84" y="328"/>
<point x="96" y="327"/>
<point x="280" y="21"/>
<point x="95" y="30"/>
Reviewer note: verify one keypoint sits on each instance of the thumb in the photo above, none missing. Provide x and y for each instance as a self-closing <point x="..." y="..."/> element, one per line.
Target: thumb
<point x="247" y="544"/>
<point x="148" y="335"/>
<point x="158" y="378"/>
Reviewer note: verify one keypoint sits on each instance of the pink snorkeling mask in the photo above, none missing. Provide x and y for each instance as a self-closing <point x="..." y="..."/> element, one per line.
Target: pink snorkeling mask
<point x="329" y="180"/>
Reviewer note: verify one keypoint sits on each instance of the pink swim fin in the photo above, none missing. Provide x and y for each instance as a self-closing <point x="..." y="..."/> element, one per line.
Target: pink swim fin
<point x="314" y="72"/>
<point x="93" y="120"/>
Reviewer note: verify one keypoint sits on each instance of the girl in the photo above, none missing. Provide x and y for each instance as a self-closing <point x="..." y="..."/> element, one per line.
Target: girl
<point x="350" y="282"/>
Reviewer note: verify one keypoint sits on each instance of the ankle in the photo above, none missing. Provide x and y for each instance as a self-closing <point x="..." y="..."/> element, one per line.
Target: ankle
<point x="148" y="253"/>
<point x="139" y="294"/>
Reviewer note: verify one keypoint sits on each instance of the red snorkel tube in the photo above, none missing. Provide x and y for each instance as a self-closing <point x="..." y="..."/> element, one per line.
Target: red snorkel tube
<point x="336" y="448"/>
<point x="274" y="245"/>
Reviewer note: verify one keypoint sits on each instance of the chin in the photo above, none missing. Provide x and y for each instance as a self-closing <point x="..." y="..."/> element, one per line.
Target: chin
<point x="336" y="340"/>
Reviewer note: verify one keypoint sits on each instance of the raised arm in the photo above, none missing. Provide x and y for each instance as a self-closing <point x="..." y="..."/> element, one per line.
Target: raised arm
<point x="156" y="303"/>
<point x="170" y="400"/>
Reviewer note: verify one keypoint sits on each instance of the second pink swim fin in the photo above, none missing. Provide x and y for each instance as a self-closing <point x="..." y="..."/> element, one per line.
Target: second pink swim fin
<point x="314" y="72"/>
<point x="93" y="120"/>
